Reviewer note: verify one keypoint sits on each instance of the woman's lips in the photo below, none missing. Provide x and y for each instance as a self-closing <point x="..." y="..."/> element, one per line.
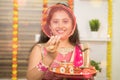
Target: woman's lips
<point x="60" y="31"/>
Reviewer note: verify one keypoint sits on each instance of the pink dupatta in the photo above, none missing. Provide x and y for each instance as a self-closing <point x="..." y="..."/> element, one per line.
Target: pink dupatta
<point x="78" y="58"/>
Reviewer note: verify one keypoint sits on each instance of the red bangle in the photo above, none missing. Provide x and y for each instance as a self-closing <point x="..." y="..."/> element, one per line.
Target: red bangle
<point x="42" y="67"/>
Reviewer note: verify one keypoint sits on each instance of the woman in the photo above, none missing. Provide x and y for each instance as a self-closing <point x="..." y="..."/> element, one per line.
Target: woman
<point x="58" y="42"/>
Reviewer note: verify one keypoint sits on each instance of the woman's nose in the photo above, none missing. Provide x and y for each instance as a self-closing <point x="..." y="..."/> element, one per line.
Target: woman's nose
<point x="60" y="25"/>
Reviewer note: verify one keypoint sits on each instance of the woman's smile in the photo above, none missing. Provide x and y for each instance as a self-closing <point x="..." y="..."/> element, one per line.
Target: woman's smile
<point x="61" y="30"/>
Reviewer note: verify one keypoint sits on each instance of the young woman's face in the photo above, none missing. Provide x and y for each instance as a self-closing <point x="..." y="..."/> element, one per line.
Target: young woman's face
<point x="61" y="24"/>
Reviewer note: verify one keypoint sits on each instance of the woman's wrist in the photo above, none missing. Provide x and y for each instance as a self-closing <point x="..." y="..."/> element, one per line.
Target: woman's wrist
<point x="42" y="67"/>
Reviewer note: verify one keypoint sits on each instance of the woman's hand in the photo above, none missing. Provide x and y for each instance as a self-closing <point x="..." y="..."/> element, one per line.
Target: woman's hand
<point x="52" y="45"/>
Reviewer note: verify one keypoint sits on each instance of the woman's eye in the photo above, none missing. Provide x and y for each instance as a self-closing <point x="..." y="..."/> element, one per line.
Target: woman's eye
<point x="55" y="22"/>
<point x="65" y="21"/>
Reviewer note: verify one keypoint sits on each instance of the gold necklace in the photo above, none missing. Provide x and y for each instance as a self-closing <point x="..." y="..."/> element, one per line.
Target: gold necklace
<point x="65" y="50"/>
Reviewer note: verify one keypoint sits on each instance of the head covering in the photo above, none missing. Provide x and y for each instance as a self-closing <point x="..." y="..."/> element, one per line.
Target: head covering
<point x="46" y="19"/>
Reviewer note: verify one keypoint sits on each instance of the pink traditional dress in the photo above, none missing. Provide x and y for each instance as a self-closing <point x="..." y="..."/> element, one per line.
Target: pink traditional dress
<point x="74" y="56"/>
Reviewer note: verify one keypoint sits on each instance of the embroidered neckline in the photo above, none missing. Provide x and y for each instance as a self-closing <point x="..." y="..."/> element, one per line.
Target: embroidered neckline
<point x="65" y="51"/>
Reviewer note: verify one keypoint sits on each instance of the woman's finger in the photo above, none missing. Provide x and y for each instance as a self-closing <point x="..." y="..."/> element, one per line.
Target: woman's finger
<point x="57" y="41"/>
<point x="53" y="41"/>
<point x="50" y="40"/>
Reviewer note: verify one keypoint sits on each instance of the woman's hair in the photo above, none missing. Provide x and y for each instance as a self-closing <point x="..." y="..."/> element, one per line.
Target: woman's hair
<point x="74" y="38"/>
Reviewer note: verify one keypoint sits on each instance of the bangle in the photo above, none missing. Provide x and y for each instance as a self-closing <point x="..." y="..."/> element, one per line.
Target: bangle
<point x="42" y="67"/>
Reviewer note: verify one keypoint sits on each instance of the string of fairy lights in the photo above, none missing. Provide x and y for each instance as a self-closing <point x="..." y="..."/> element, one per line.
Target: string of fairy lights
<point x="45" y="3"/>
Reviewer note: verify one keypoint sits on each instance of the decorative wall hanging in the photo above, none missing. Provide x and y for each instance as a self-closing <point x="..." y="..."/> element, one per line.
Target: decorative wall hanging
<point x="109" y="44"/>
<point x="15" y="40"/>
